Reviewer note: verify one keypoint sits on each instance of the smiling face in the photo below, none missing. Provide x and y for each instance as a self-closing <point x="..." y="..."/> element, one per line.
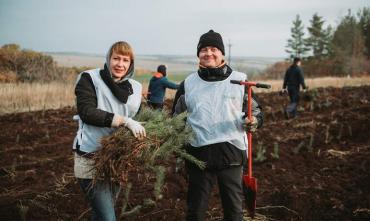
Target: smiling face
<point x="119" y="65"/>
<point x="210" y="57"/>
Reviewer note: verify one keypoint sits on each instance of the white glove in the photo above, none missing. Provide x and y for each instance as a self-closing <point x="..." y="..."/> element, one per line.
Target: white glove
<point x="136" y="128"/>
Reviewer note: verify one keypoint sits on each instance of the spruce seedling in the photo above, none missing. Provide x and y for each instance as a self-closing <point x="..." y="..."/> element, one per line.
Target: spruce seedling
<point x="299" y="147"/>
<point x="310" y="144"/>
<point x="339" y="136"/>
<point x="275" y="154"/>
<point x="327" y="134"/>
<point x="261" y="150"/>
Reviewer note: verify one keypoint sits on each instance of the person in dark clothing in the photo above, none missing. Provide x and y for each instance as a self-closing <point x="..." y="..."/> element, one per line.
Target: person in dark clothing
<point x="157" y="88"/>
<point x="215" y="113"/>
<point x="106" y="99"/>
<point x="292" y="80"/>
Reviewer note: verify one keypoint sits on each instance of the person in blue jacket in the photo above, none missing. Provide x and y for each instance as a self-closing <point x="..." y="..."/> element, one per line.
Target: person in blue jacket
<point x="157" y="88"/>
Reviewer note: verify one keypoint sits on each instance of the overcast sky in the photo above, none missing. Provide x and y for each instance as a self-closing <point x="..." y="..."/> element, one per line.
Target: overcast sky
<point x="254" y="27"/>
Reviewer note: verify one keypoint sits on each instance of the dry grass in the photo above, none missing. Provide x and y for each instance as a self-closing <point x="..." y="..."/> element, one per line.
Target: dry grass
<point x="20" y="97"/>
<point x="276" y="85"/>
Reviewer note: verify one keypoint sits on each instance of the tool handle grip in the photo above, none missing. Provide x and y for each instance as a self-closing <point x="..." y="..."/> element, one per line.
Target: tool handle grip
<point x="235" y="82"/>
<point x="259" y="85"/>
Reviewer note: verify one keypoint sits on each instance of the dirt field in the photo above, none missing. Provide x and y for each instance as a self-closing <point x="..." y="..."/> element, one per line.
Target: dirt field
<point x="320" y="169"/>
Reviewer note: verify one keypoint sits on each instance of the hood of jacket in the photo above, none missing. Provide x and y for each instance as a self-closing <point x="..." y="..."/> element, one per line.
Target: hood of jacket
<point x="157" y="75"/>
<point x="130" y="71"/>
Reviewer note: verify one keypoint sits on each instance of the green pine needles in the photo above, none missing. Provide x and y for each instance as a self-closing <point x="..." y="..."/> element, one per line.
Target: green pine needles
<point x="122" y="153"/>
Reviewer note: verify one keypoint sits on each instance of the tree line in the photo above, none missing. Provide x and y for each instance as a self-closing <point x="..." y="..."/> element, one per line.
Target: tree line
<point x="327" y="51"/>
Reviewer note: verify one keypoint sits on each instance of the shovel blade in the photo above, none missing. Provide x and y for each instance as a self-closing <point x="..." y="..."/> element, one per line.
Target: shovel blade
<point x="250" y="193"/>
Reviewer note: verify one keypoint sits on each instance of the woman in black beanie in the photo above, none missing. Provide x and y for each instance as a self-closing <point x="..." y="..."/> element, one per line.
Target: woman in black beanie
<point x="215" y="114"/>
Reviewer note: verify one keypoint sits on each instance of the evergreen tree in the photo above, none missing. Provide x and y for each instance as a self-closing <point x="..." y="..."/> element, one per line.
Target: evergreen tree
<point x="315" y="42"/>
<point x="296" y="44"/>
<point x="348" y="38"/>
<point x="348" y="46"/>
<point x="364" y="22"/>
<point x="327" y="41"/>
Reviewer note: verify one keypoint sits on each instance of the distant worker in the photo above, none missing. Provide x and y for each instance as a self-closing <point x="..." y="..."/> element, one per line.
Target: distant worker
<point x="292" y="80"/>
<point x="157" y="88"/>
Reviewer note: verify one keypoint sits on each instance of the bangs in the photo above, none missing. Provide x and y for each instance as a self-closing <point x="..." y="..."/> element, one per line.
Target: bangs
<point x="122" y="48"/>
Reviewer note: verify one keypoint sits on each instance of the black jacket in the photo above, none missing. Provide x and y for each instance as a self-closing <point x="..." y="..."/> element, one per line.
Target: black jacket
<point x="294" y="77"/>
<point x="219" y="155"/>
<point x="87" y="103"/>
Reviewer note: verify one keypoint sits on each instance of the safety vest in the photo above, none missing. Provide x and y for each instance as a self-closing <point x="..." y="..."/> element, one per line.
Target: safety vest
<point x="88" y="136"/>
<point x="215" y="110"/>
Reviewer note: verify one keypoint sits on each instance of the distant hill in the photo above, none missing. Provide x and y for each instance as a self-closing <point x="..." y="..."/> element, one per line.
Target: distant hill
<point x="176" y="63"/>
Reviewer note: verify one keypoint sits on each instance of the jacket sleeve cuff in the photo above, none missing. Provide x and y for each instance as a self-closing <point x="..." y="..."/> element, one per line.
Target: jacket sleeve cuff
<point x="108" y="119"/>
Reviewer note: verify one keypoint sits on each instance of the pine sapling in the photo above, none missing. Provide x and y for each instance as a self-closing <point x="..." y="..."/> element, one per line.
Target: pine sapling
<point x="299" y="147"/>
<point x="273" y="114"/>
<point x="160" y="175"/>
<point x="339" y="136"/>
<point x="327" y="134"/>
<point x="275" y="154"/>
<point x="310" y="144"/>
<point x="17" y="139"/>
<point x="126" y="198"/>
<point x="23" y="210"/>
<point x="350" y="130"/>
<point x="312" y="106"/>
<point x="149" y="203"/>
<point x="261" y="150"/>
<point x="282" y="110"/>
<point x="327" y="102"/>
<point x="47" y="136"/>
<point x="13" y="167"/>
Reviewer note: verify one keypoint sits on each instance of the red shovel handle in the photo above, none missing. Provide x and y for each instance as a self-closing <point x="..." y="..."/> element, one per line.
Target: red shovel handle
<point x="249" y="85"/>
<point x="250" y="183"/>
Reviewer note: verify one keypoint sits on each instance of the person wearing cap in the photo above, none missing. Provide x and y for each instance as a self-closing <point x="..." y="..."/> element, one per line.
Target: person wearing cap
<point x="157" y="88"/>
<point x="106" y="99"/>
<point x="293" y="79"/>
<point x="216" y="116"/>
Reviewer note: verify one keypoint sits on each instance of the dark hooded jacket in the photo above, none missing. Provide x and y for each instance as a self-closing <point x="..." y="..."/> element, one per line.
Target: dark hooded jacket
<point x="294" y="77"/>
<point x="219" y="155"/>
<point x="157" y="88"/>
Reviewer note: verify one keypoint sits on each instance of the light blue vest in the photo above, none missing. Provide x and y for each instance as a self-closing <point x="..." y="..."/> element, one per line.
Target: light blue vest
<point x="88" y="136"/>
<point x="215" y="110"/>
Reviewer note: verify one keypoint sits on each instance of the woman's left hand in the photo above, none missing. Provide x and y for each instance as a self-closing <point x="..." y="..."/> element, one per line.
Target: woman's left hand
<point x="136" y="128"/>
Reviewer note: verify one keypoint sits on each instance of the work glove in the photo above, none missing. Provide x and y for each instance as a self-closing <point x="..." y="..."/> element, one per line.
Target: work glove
<point x="305" y="88"/>
<point x="136" y="128"/>
<point x="282" y="92"/>
<point x="251" y="126"/>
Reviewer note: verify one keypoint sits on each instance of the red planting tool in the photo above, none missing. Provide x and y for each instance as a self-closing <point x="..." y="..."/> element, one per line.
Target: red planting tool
<point x="249" y="182"/>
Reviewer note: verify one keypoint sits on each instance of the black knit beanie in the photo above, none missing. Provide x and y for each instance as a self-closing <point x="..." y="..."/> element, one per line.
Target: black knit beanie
<point x="211" y="38"/>
<point x="162" y="69"/>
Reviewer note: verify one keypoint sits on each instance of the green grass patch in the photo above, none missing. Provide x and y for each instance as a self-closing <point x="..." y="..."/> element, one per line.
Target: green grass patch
<point x="145" y="78"/>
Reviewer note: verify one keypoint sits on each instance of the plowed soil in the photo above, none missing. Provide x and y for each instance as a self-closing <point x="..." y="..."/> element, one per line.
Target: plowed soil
<point x="320" y="169"/>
